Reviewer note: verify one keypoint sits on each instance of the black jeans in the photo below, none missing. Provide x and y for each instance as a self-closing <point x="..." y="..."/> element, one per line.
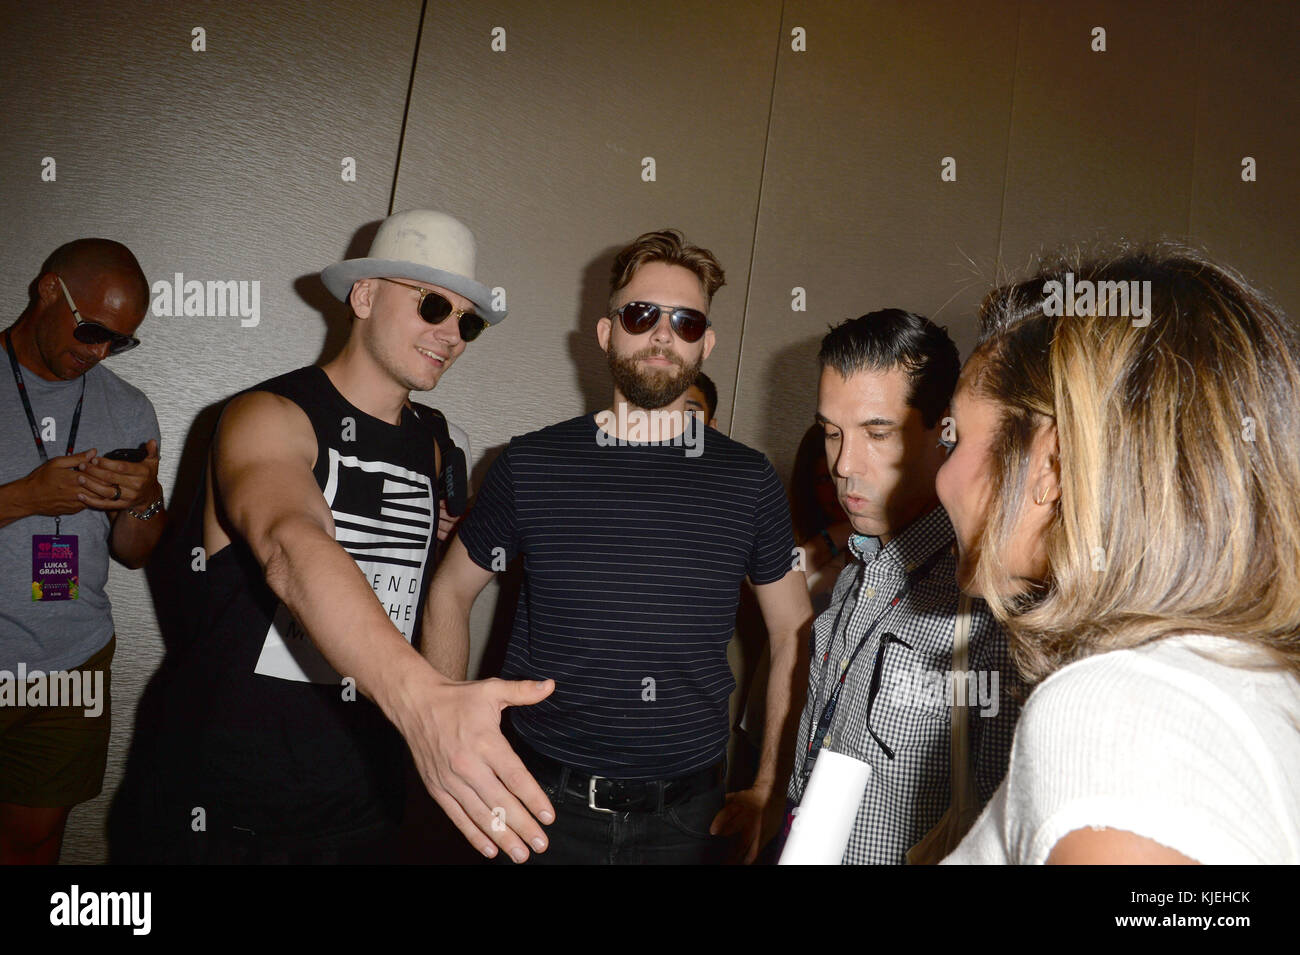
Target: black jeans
<point x="673" y="835"/>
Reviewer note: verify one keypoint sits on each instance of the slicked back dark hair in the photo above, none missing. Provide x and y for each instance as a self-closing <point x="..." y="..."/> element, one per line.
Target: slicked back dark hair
<point x="892" y="338"/>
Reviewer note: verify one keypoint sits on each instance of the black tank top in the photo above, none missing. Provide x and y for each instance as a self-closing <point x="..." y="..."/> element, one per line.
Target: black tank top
<point x="263" y="733"/>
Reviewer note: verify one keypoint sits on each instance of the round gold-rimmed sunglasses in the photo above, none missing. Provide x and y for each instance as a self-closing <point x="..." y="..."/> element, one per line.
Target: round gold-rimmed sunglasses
<point x="435" y="307"/>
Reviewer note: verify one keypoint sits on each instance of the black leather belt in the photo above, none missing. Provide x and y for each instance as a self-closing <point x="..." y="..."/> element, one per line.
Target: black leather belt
<point x="603" y="794"/>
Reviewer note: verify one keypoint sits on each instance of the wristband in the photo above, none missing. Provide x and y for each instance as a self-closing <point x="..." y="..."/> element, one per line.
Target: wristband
<point x="148" y="512"/>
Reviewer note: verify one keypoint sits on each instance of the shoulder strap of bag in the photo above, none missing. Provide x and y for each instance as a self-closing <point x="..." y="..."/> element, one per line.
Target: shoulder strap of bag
<point x="963" y="791"/>
<point x="436" y="422"/>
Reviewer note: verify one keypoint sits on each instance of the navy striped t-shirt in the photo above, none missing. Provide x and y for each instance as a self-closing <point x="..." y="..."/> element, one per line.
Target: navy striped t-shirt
<point x="633" y="559"/>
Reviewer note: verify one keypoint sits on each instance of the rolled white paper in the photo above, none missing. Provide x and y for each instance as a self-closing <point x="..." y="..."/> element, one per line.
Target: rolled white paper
<point x="822" y="826"/>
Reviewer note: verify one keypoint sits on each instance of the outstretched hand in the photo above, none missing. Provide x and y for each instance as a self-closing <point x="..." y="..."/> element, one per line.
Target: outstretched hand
<point x="454" y="731"/>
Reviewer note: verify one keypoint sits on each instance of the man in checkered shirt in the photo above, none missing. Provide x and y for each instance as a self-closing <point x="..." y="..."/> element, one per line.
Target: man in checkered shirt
<point x="886" y="381"/>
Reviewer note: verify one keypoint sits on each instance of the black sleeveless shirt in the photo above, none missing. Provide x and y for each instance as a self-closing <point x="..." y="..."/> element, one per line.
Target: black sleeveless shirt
<point x="263" y="733"/>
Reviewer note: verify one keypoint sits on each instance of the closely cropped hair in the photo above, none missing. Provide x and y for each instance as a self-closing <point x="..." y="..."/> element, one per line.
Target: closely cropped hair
<point x="892" y="338"/>
<point x="706" y="385"/>
<point x="670" y="247"/>
<point x="82" y="260"/>
<point x="1179" y="460"/>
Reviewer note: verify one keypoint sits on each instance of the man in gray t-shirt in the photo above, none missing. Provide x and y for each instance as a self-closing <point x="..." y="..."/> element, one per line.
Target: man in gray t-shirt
<point x="62" y="498"/>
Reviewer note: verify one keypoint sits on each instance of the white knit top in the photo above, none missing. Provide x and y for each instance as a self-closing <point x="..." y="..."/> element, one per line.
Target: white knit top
<point x="1185" y="749"/>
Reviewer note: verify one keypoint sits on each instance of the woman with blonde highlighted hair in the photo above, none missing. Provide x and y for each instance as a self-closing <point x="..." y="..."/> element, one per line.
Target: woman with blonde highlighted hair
<point x="1125" y="489"/>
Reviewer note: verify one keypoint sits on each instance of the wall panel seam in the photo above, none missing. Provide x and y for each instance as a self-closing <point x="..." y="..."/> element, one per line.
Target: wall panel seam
<point x="406" y="109"/>
<point x="758" y="208"/>
<point x="999" y="267"/>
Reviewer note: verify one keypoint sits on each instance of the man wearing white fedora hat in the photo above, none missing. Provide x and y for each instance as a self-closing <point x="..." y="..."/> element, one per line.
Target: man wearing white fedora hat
<point x="314" y="476"/>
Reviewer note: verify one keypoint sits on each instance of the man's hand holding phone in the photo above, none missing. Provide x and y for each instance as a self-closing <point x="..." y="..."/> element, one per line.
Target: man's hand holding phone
<point x="114" y="482"/>
<point x="54" y="489"/>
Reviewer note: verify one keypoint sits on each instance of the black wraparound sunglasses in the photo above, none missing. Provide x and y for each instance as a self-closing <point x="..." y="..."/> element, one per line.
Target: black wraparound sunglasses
<point x="93" y="333"/>
<point x="639" y="317"/>
<point x="435" y="307"/>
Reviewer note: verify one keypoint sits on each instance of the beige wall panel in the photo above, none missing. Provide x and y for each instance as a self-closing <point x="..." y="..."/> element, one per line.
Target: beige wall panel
<point x="539" y="149"/>
<point x="1101" y="143"/>
<point x="220" y="165"/>
<point x="1248" y="105"/>
<point x="853" y="208"/>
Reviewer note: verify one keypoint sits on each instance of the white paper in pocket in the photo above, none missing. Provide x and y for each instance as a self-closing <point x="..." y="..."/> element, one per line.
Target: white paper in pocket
<point x="823" y="823"/>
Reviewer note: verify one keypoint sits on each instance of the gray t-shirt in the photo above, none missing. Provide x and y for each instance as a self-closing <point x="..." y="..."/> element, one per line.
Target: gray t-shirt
<point x="59" y="635"/>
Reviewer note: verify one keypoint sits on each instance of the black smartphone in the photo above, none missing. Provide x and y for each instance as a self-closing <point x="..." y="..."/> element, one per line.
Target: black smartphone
<point x="135" y="455"/>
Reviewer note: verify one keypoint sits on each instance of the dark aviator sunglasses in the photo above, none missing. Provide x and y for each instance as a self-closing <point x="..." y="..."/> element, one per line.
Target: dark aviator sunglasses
<point x="93" y="333"/>
<point x="640" y="317"/>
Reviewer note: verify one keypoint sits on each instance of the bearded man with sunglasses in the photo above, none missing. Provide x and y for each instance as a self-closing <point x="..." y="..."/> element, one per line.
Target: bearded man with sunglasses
<point x="635" y="549"/>
<point x="319" y="527"/>
<point x="65" y="507"/>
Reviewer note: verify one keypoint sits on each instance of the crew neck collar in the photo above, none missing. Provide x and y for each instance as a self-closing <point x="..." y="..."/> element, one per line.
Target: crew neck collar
<point x="407" y="411"/>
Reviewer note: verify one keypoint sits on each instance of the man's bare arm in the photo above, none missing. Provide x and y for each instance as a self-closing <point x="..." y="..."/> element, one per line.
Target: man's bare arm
<point x="787" y="612"/>
<point x="755" y="814"/>
<point x="262" y="475"/>
<point x="445" y="626"/>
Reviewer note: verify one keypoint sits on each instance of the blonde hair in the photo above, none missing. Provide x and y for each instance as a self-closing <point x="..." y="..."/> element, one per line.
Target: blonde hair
<point x="1179" y="461"/>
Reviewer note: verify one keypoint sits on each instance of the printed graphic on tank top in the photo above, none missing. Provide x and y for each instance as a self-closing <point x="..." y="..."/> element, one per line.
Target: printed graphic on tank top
<point x="383" y="517"/>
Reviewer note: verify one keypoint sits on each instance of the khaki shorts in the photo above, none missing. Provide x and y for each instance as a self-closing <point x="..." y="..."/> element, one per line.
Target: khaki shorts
<point x="53" y="756"/>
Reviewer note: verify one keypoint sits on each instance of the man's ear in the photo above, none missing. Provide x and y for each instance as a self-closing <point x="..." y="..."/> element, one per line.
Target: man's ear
<point x="47" y="288"/>
<point x="361" y="298"/>
<point x="710" y="340"/>
<point x="604" y="329"/>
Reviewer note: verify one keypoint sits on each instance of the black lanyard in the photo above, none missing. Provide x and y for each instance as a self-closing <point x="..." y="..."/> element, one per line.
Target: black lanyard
<point x="823" y="725"/>
<point x="31" y="418"/>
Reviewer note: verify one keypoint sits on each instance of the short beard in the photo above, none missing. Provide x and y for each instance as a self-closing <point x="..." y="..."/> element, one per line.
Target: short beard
<point x="657" y="388"/>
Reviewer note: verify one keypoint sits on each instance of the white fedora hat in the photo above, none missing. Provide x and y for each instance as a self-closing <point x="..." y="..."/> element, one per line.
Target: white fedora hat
<point x="423" y="246"/>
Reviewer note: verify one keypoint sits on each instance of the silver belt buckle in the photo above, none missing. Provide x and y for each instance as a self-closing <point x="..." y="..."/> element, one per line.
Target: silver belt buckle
<point x="591" y="796"/>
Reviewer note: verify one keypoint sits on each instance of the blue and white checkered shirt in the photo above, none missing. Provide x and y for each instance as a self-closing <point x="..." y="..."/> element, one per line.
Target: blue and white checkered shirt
<point x="907" y="795"/>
